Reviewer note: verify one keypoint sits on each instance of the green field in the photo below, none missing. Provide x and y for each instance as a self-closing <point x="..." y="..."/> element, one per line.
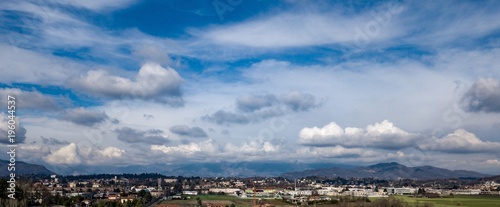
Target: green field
<point x="466" y="201"/>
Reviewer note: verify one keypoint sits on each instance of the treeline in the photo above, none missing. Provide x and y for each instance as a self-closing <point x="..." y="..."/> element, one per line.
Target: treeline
<point x="111" y="176"/>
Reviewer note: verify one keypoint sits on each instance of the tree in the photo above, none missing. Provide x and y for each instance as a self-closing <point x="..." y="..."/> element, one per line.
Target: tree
<point x="148" y="197"/>
<point x="142" y="193"/>
<point x="199" y="202"/>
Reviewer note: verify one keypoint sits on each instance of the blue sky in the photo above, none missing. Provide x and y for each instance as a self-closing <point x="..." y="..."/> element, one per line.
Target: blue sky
<point x="125" y="82"/>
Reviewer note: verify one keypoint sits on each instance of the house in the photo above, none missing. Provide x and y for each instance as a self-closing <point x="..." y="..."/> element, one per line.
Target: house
<point x="86" y="202"/>
<point x="128" y="198"/>
<point x="113" y="197"/>
<point x="156" y="193"/>
<point x="187" y="192"/>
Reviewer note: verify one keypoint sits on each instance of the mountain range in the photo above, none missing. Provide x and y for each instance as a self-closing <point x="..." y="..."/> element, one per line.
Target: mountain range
<point x="388" y="171"/>
<point x="22" y="168"/>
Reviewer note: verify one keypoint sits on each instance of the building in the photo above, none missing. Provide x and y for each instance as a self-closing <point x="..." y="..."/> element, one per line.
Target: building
<point x="400" y="191"/>
<point x="224" y="190"/>
<point x="466" y="192"/>
<point x="188" y="192"/>
<point x="128" y="198"/>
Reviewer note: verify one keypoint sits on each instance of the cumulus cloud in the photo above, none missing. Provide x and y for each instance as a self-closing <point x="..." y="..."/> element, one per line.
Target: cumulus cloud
<point x="493" y="162"/>
<point x="29" y="100"/>
<point x="152" y="136"/>
<point x="460" y="141"/>
<point x="256" y="147"/>
<point x="68" y="155"/>
<point x="483" y="95"/>
<point x="20" y="131"/>
<point x="111" y="152"/>
<point x="185" y="130"/>
<point x="257" y="107"/>
<point x="72" y="154"/>
<point x="382" y="135"/>
<point x="53" y="141"/>
<point x="152" y="83"/>
<point x="190" y="149"/>
<point x="84" y="117"/>
<point x="210" y="150"/>
<point x="336" y="152"/>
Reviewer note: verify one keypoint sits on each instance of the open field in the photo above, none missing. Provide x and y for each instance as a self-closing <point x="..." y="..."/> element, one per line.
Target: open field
<point x="464" y="201"/>
<point x="226" y="200"/>
<point x="459" y="200"/>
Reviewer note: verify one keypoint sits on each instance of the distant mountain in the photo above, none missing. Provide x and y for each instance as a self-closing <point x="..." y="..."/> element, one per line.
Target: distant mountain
<point x="222" y="169"/>
<point x="23" y="168"/>
<point x="388" y="171"/>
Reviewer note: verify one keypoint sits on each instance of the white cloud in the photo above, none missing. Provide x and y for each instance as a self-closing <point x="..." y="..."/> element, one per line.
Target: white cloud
<point x="493" y="162"/>
<point x="300" y="29"/>
<point x="25" y="66"/>
<point x="383" y="135"/>
<point x="153" y="83"/>
<point x="460" y="141"/>
<point x="190" y="150"/>
<point x="335" y="152"/>
<point x="255" y="147"/>
<point x="67" y="155"/>
<point x="111" y="152"/>
<point x="73" y="154"/>
<point x="97" y="5"/>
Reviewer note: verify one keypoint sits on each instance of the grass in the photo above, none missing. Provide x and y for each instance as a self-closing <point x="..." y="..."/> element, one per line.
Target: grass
<point x="458" y="200"/>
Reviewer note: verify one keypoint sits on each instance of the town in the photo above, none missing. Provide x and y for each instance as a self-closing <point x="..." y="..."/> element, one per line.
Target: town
<point x="156" y="190"/>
